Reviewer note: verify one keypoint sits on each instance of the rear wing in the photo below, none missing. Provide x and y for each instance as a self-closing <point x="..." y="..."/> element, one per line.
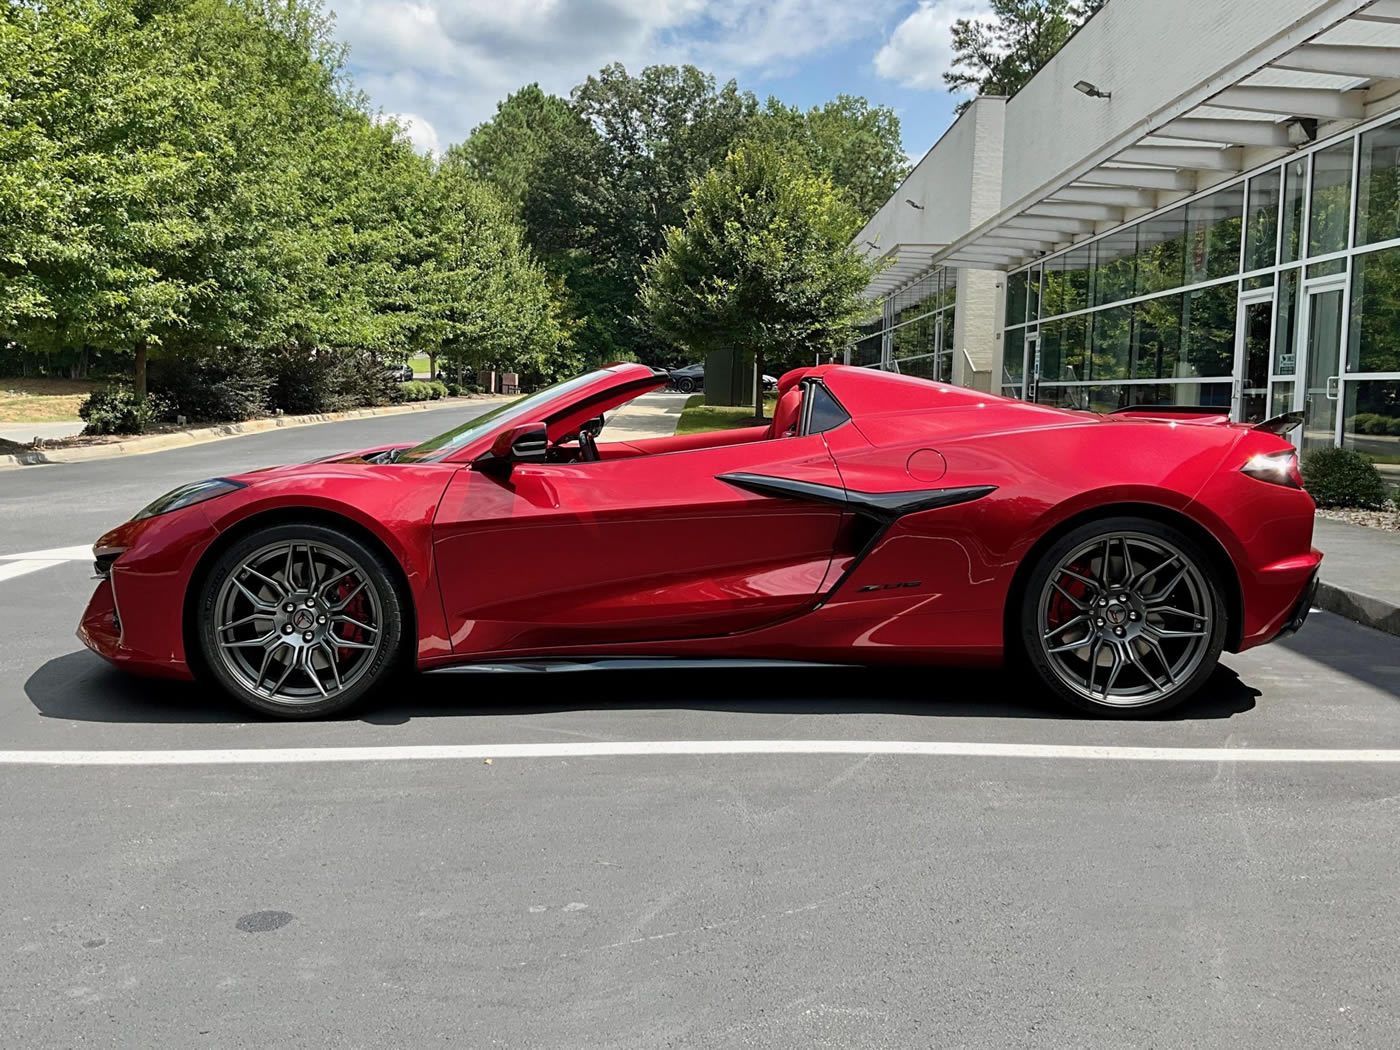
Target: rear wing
<point x="1280" y="424"/>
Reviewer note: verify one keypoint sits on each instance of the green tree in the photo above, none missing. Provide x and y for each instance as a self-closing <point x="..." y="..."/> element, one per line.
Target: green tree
<point x="998" y="55"/>
<point x="761" y="264"/>
<point x="857" y="144"/>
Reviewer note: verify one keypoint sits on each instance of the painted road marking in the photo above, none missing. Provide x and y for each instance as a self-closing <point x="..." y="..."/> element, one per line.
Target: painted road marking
<point x="648" y="748"/>
<point x="12" y="565"/>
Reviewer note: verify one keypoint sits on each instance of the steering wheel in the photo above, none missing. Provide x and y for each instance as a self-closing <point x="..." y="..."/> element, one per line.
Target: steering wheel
<point x="587" y="447"/>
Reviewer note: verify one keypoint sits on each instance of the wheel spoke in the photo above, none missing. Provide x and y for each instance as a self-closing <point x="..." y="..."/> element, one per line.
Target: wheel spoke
<point x="333" y="581"/>
<point x="309" y="666"/>
<point x="251" y="643"/>
<point x="1156" y="648"/>
<point x="281" y="590"/>
<point x="1081" y="605"/>
<point x="347" y="599"/>
<point x="258" y="603"/>
<point x="1064" y="626"/>
<point x="1159" y="633"/>
<point x="1128" y="571"/>
<point x="262" y="670"/>
<point x="331" y="658"/>
<point x="1172" y="610"/>
<point x="341" y="643"/>
<point x="291" y="563"/>
<point x="343" y="618"/>
<point x="286" y="673"/>
<point x="1094" y="585"/>
<point x="1113" y="672"/>
<point x="247" y="619"/>
<point x="1106" y="557"/>
<point x="1094" y="648"/>
<point x="1161" y="594"/>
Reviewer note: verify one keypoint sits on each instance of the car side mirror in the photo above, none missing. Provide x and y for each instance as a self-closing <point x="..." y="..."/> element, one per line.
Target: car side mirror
<point x="526" y="443"/>
<point x="594" y="426"/>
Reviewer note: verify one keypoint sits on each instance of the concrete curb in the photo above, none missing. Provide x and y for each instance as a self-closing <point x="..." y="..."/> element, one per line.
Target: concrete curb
<point x="1360" y="608"/>
<point x="139" y="445"/>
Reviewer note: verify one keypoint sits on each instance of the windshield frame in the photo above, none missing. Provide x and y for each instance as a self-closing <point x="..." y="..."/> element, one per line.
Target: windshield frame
<point x="546" y="405"/>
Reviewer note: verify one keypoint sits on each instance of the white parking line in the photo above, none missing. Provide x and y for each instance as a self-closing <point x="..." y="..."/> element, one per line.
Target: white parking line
<point x="12" y="565"/>
<point x="649" y="748"/>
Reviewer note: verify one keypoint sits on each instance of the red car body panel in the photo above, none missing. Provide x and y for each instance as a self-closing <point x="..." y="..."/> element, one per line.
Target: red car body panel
<point x="739" y="543"/>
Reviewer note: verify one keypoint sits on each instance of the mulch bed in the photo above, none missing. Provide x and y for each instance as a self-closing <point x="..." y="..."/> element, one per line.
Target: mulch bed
<point x="1375" y="519"/>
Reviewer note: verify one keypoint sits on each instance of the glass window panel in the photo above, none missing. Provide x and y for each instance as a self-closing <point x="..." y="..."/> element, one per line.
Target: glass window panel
<point x="949" y="317"/>
<point x="1111" y="334"/>
<point x="1329" y="211"/>
<point x="1286" y="324"/>
<point x="1016" y="298"/>
<point x="914" y="339"/>
<point x="866" y="351"/>
<point x="1208" y="343"/>
<point x="1372" y="421"/>
<point x="1327" y="269"/>
<point x="1281" y="398"/>
<point x="1013" y="363"/>
<point x="1156" y="337"/>
<point x="1052" y="290"/>
<point x="1114" y="397"/>
<point x="1374" y="339"/>
<point x="1074" y="347"/>
<point x="1378" y="187"/>
<point x="1115" y="263"/>
<point x="1213" y="234"/>
<point x="923" y="367"/>
<point x="1261" y="231"/>
<point x="1011" y="391"/>
<point x="1160" y="252"/>
<point x="1295" y="175"/>
<point x="1076" y="271"/>
<point x="1051" y="343"/>
<point x="1033" y="294"/>
<point x="1263" y="280"/>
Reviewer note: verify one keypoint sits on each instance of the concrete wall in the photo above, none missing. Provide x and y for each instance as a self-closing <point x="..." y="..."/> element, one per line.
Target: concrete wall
<point x="1153" y="55"/>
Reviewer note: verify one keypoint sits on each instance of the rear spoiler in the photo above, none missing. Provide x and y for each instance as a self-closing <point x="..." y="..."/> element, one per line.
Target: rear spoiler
<point x="1281" y="424"/>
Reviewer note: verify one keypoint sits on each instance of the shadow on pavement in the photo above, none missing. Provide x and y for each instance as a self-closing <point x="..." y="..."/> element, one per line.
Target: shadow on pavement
<point x="81" y="687"/>
<point x="1351" y="649"/>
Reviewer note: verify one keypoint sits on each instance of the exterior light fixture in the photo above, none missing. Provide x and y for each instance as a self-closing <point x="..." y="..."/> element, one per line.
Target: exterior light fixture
<point x="913" y="204"/>
<point x="1086" y="88"/>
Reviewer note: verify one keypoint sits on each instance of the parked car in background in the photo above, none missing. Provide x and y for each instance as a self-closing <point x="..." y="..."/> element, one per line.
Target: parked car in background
<point x="400" y="373"/>
<point x="692" y="378"/>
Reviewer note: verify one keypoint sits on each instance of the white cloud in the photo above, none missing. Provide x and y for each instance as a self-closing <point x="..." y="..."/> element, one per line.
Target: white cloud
<point x="919" y="51"/>
<point x="422" y="134"/>
<point x="449" y="62"/>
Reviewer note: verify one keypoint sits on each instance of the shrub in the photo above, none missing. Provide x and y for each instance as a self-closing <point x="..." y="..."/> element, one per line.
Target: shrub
<point x="212" y="389"/>
<point x="116" y="410"/>
<point x="1341" y="477"/>
<point x="416" y="390"/>
<point x="437" y="390"/>
<point x="454" y="389"/>
<point x="330" y="382"/>
<point x="1392" y="426"/>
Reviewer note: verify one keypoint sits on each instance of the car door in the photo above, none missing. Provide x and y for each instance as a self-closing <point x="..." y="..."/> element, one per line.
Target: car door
<point x="640" y="548"/>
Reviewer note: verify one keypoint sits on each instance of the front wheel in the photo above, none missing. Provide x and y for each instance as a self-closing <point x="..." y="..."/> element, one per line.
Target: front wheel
<point x="299" y="621"/>
<point x="685" y="385"/>
<point x="1123" y="617"/>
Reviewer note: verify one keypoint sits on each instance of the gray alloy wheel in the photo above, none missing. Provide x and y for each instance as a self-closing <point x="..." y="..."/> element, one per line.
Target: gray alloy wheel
<point x="1123" y="617"/>
<point x="299" y="621"/>
<point x="685" y="385"/>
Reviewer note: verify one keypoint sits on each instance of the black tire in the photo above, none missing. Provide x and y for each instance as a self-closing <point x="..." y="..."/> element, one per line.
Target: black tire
<point x="685" y="385"/>
<point x="1175" y="667"/>
<point x="381" y="593"/>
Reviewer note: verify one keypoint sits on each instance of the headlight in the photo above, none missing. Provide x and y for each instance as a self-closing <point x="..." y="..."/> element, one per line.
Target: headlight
<point x="1278" y="468"/>
<point x="187" y="496"/>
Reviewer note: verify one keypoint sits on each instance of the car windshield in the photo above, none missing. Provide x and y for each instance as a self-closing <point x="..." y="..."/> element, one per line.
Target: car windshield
<point x="521" y="408"/>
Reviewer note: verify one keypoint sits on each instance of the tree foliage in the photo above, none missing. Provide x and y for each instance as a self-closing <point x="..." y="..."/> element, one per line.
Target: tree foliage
<point x="761" y="263"/>
<point x="194" y="177"/>
<point x="599" y="178"/>
<point x="998" y="54"/>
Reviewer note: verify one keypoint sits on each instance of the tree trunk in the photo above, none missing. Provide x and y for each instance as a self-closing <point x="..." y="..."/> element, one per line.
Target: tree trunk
<point x="138" y="379"/>
<point x="432" y="364"/>
<point x="758" y="385"/>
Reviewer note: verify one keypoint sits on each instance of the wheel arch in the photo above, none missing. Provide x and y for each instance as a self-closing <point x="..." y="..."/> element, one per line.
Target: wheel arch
<point x="1221" y="563"/>
<point x="293" y="516"/>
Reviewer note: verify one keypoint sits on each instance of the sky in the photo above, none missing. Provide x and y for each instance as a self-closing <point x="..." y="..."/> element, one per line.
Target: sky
<point x="442" y="65"/>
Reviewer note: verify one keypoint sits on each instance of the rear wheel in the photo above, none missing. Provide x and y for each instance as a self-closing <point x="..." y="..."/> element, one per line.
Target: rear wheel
<point x="1122" y="617"/>
<point x="299" y="621"/>
<point x="685" y="385"/>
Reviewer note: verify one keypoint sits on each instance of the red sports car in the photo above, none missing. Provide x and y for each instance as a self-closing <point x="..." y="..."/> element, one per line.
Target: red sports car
<point x="877" y="519"/>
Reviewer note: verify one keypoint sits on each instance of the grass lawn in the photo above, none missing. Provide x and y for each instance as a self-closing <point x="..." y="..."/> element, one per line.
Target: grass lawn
<point x="42" y="400"/>
<point x="698" y="417"/>
<point x="420" y="364"/>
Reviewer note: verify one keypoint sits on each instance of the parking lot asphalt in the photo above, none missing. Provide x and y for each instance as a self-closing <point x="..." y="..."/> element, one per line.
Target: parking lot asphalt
<point x="721" y="900"/>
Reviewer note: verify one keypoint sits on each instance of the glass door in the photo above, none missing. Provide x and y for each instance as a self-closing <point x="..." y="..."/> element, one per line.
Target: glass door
<point x="1321" y="365"/>
<point x="1254" y="322"/>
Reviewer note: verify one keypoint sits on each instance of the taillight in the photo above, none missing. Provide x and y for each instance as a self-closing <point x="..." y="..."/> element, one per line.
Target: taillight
<point x="1277" y="468"/>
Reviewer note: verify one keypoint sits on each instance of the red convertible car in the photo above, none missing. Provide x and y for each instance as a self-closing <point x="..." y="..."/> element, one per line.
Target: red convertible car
<point x="877" y="519"/>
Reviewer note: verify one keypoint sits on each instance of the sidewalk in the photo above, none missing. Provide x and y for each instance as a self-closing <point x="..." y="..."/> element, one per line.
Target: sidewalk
<point x="1360" y="573"/>
<point x="22" y="432"/>
<point x="649" y="416"/>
